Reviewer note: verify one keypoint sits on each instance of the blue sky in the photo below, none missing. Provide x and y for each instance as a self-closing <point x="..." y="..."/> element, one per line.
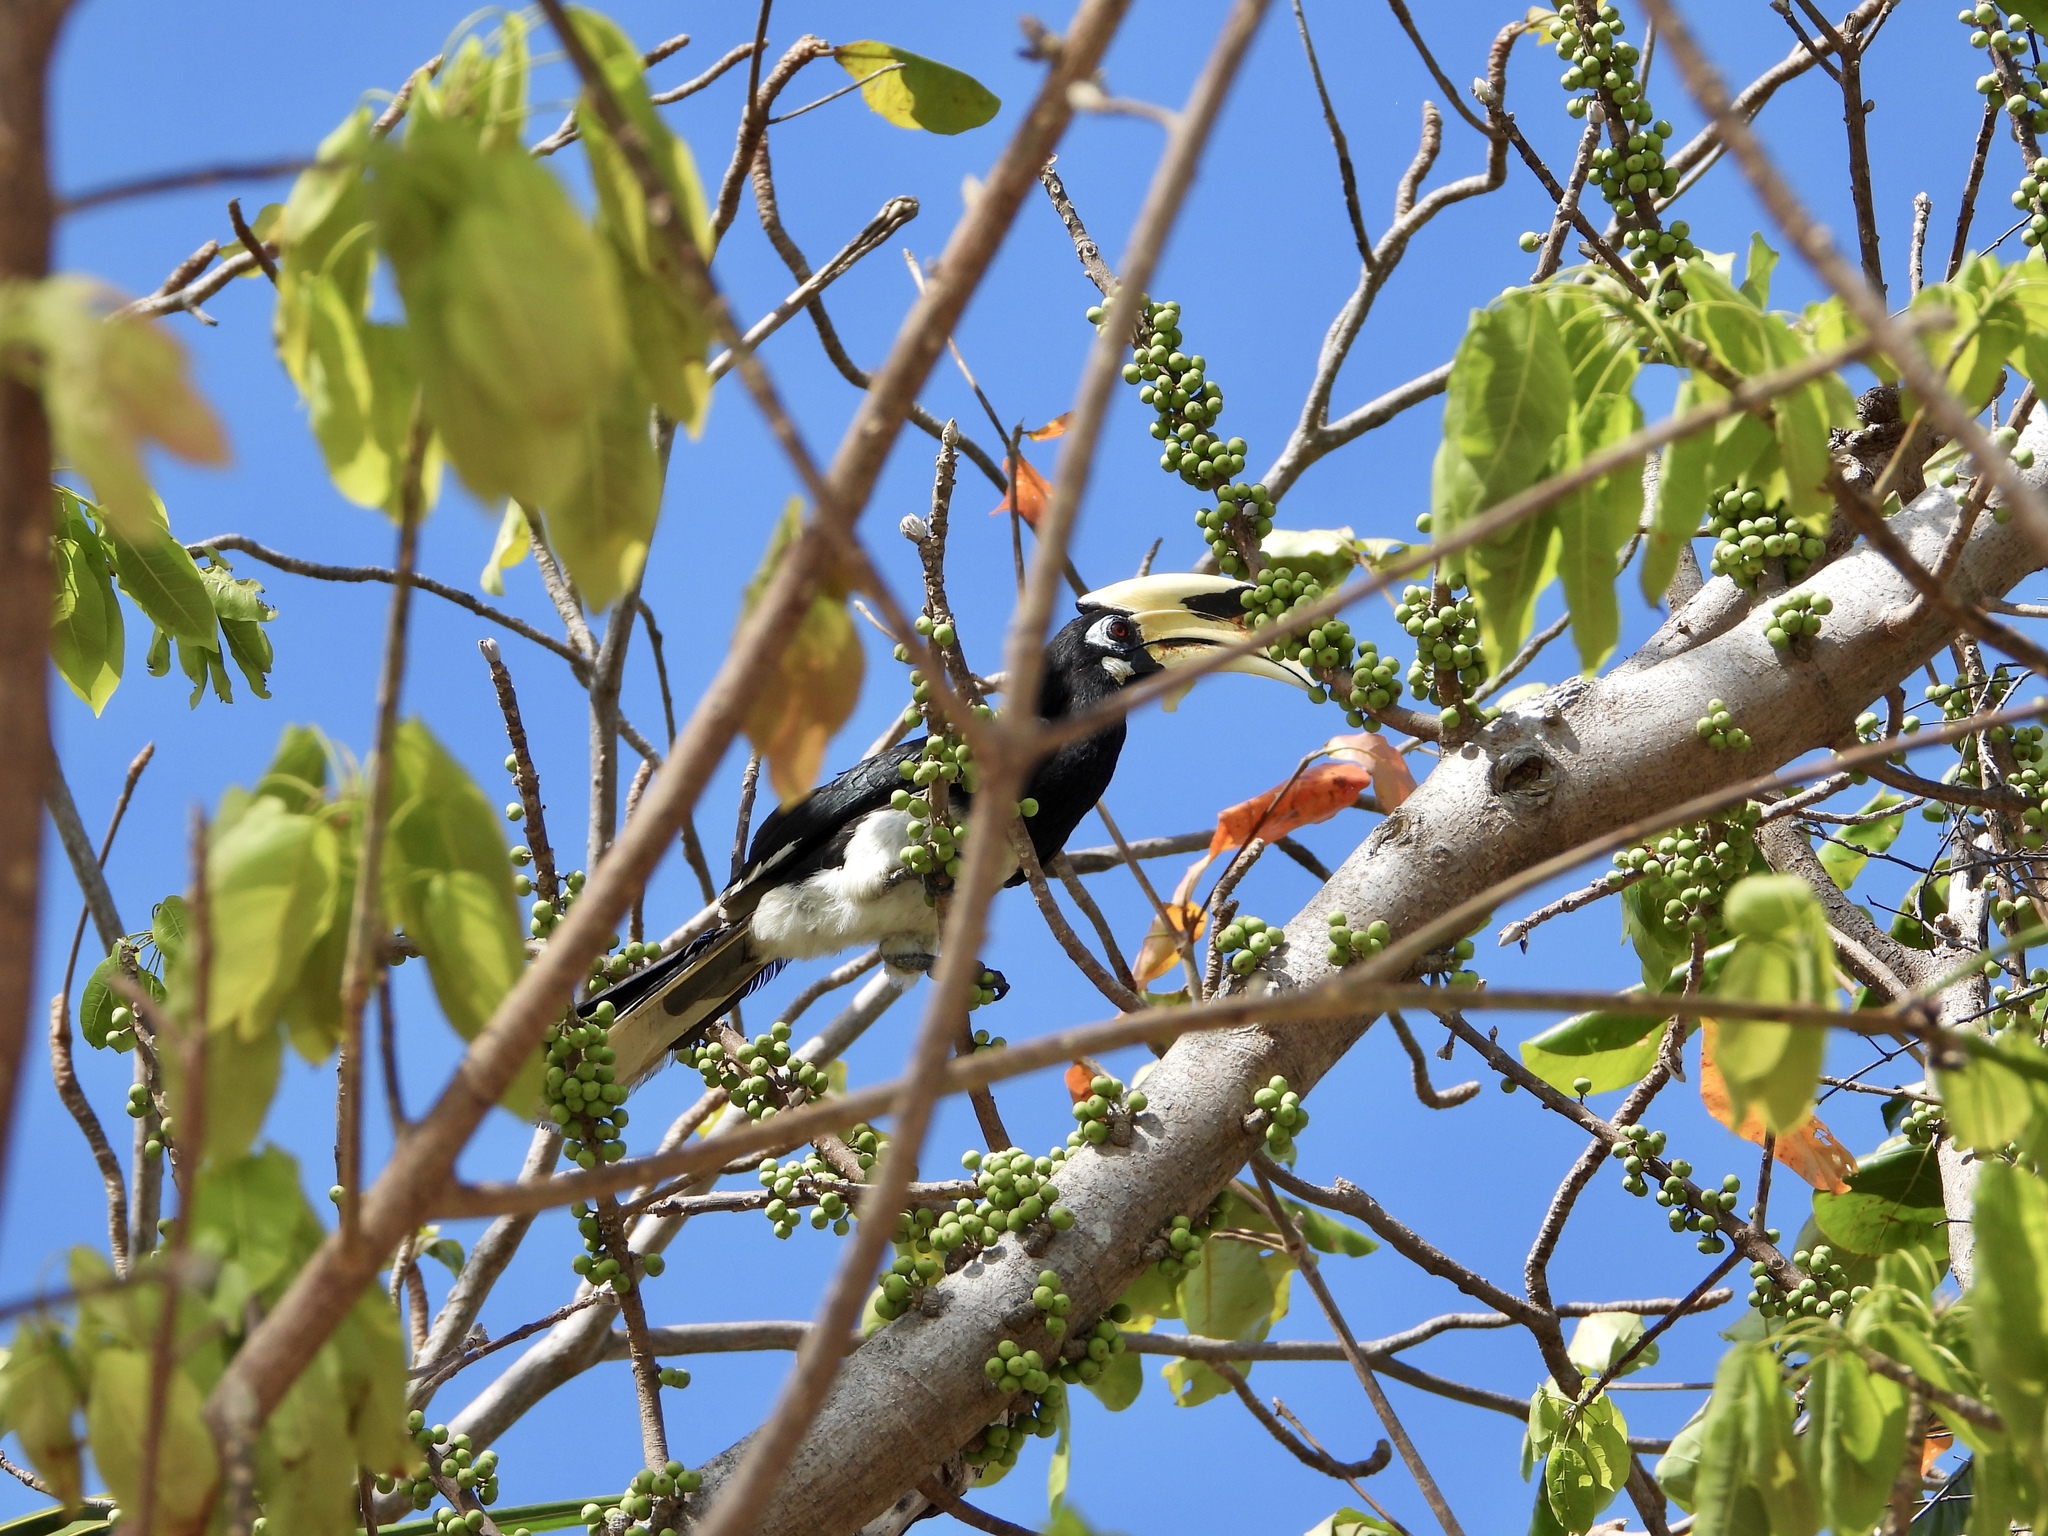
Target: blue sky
<point x="1262" y="260"/>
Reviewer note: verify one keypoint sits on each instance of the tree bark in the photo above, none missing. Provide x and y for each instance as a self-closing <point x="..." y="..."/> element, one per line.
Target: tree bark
<point x="28" y="34"/>
<point x="1579" y="762"/>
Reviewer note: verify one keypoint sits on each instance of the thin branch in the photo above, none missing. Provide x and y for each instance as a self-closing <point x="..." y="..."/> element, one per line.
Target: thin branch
<point x="181" y="181"/>
<point x="1346" y="174"/>
<point x="78" y="849"/>
<point x="1518" y="932"/>
<point x="1305" y="1262"/>
<point x="1314" y="1460"/>
<point x="696" y="83"/>
<point x="360" y="573"/>
<point x="967" y="1514"/>
<point x="1427" y="1092"/>
<point x="1966" y="210"/>
<point x="1923" y="209"/>
<point x="525" y="780"/>
<point x="1457" y="99"/>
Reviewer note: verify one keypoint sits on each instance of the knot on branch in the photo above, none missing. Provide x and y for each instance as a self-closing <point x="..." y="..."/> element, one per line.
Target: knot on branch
<point x="1526" y="773"/>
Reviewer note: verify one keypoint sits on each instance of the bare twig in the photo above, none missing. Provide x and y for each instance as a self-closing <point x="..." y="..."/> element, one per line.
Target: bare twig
<point x="1346" y="174"/>
<point x="1966" y="210"/>
<point x="249" y="241"/>
<point x="1427" y="1092"/>
<point x="1923" y="208"/>
<point x="181" y="181"/>
<point x="1314" y="1460"/>
<point x="525" y="780"/>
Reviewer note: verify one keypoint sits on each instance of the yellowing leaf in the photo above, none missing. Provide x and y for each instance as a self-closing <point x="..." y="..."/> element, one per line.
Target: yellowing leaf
<point x="1160" y="952"/>
<point x="514" y="542"/>
<point x="913" y="91"/>
<point x="186" y="1465"/>
<point x="518" y="328"/>
<point x="1029" y="493"/>
<point x="1057" y="427"/>
<point x="815" y="683"/>
<point x="1809" y="1149"/>
<point x="111" y="387"/>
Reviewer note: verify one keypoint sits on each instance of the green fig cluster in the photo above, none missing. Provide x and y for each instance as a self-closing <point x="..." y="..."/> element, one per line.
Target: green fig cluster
<point x="989" y="986"/>
<point x="639" y="1500"/>
<point x="759" y="1076"/>
<point x="1824" y="1293"/>
<point x="1183" y="1241"/>
<point x="1751" y="533"/>
<point x="1325" y="650"/>
<point x="1285" y="1116"/>
<point x="1630" y="169"/>
<point x="673" y="1376"/>
<point x="598" y="1265"/>
<point x="995" y="1449"/>
<point x="1085" y="1357"/>
<point x="1017" y="1192"/>
<point x="2026" y="1009"/>
<point x="1687" y="872"/>
<point x="983" y="1040"/>
<point x="1186" y="405"/>
<point x="809" y="1181"/>
<point x="1348" y="944"/>
<point x="922" y="1239"/>
<point x="1639" y="1144"/>
<point x="1105" y="1107"/>
<point x="544" y="916"/>
<point x="450" y="1456"/>
<point x="1245" y="942"/>
<point x="1052" y="1302"/>
<point x="582" y="1096"/>
<point x="1013" y="1368"/>
<point x="1921" y="1124"/>
<point x="1999" y="34"/>
<point x="1717" y="728"/>
<point x="1703" y="1217"/>
<point x="1797" y="616"/>
<point x="1375" y="684"/>
<point x="1449" y="662"/>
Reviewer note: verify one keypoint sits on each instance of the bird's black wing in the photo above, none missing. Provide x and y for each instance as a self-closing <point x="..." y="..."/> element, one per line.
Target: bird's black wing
<point x="796" y="839"/>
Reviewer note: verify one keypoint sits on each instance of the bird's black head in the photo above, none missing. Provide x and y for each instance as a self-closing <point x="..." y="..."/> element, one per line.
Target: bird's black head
<point x="1090" y="659"/>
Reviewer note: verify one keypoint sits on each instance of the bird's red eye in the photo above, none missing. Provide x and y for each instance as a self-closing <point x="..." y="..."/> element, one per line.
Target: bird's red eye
<point x="1119" y="630"/>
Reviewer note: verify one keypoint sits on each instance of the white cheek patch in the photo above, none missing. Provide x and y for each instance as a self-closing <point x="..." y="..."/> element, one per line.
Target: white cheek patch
<point x="1119" y="669"/>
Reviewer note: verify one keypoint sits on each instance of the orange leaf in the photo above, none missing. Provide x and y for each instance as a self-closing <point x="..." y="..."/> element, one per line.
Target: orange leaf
<point x="1057" y="427"/>
<point x="1393" y="782"/>
<point x="1810" y="1149"/>
<point x="1080" y="1081"/>
<point x="1161" y="950"/>
<point x="1030" y="489"/>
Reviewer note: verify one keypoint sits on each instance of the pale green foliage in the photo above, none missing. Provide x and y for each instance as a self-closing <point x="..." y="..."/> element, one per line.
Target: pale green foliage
<point x="1782" y="954"/>
<point x="918" y="92"/>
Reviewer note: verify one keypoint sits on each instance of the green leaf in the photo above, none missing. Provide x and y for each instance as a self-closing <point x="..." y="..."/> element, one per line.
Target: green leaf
<point x="1749" y="1481"/>
<point x="517" y="325"/>
<point x="814" y="685"/>
<point x="1783" y="953"/>
<point x="271" y="877"/>
<point x="1657" y="947"/>
<point x="170" y="920"/>
<point x="1600" y="1340"/>
<point x="186" y="1467"/>
<point x="1894" y="1201"/>
<point x="163" y="581"/>
<point x="1756" y="285"/>
<point x="1678" y="1468"/>
<point x="88" y="638"/>
<point x="917" y="92"/>
<point x="251" y="1215"/>
<point x="1584" y="1452"/>
<point x="1057" y="1470"/>
<point x="1509" y="398"/>
<point x="304" y="1462"/>
<point x="2008" y="1298"/>
<point x="1596" y="522"/>
<point x="110" y="385"/>
<point x="602" y="523"/>
<point x="1326" y="1234"/>
<point x="670" y="334"/>
<point x="41" y="1391"/>
<point x="96" y="1007"/>
<point x="1232" y="1295"/>
<point x="297" y="775"/>
<point x="1612" y="1049"/>
<point x="361" y="386"/>
<point x="1122" y="1379"/>
<point x="446" y="1251"/>
<point x="238" y="604"/>
<point x="1855" y="1439"/>
<point x="1733" y="449"/>
<point x="239" y="1079"/>
<point x="448" y="884"/>
<point x="1986" y="1104"/>
<point x="1848" y="849"/>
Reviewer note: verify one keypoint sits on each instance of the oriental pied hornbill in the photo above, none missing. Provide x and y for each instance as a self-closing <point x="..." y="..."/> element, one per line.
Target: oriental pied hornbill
<point x="826" y="873"/>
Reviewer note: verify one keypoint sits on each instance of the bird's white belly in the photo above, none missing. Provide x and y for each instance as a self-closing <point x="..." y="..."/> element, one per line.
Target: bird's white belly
<point x="867" y="899"/>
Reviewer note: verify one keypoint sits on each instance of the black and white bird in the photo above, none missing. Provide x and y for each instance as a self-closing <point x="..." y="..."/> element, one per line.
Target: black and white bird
<point x="826" y="873"/>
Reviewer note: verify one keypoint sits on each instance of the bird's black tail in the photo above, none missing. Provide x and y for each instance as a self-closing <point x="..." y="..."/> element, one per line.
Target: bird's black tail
<point x="657" y="1008"/>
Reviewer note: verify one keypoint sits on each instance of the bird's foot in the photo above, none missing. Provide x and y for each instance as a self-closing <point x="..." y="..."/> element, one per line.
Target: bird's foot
<point x="910" y="959"/>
